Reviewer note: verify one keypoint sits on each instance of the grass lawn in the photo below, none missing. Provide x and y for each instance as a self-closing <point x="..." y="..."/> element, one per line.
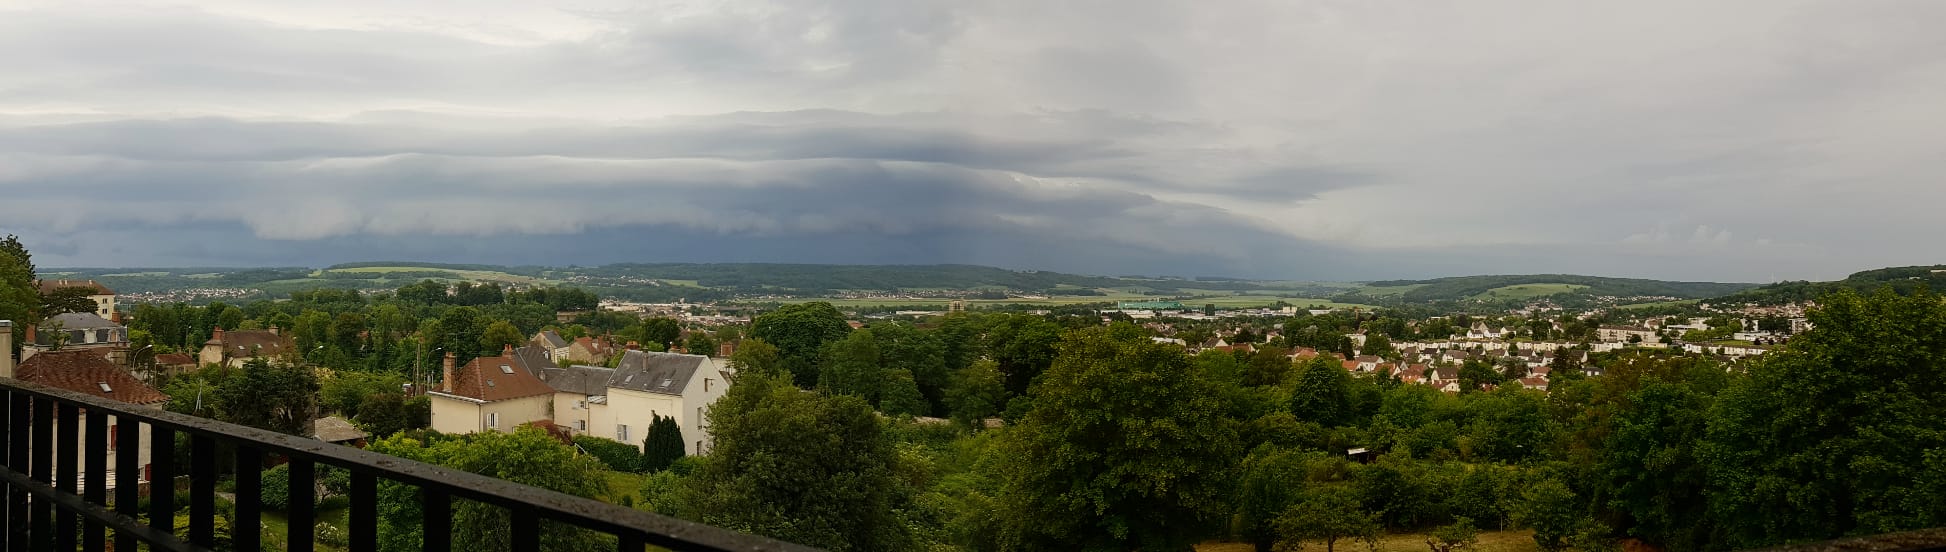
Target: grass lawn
<point x="621" y="484"/>
<point x="1527" y="291"/>
<point x="1490" y="541"/>
<point x="332" y="511"/>
<point x="1382" y="291"/>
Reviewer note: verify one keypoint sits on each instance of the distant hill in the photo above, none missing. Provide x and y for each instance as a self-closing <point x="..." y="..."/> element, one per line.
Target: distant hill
<point x="1903" y="279"/>
<point x="1519" y="287"/>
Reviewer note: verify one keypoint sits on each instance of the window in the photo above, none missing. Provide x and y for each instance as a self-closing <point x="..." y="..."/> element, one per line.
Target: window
<point x="621" y="433"/>
<point x="493" y="419"/>
<point x="580" y="425"/>
<point x="699" y="415"/>
<point x="113" y="432"/>
<point x="505" y="369"/>
<point x="579" y="404"/>
<point x="706" y="384"/>
<point x="104" y="387"/>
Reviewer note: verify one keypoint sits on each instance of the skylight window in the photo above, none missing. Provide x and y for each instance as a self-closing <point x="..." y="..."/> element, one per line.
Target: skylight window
<point x="505" y="369"/>
<point x="105" y="388"/>
<point x="665" y="383"/>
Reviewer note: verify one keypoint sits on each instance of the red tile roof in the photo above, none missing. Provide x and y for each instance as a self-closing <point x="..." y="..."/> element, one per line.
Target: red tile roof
<point x="88" y="372"/>
<point x="497" y="378"/>
<point x="175" y="359"/>
<point x="49" y="286"/>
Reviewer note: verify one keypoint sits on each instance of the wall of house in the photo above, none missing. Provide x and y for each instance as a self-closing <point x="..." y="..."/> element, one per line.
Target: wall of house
<point x="637" y="410"/>
<point x="455" y="416"/>
<point x="141" y="451"/>
<point x="704" y="389"/>
<point x="514" y="412"/>
<point x="570" y="408"/>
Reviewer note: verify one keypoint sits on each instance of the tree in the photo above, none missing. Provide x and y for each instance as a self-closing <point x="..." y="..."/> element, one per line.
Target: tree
<point x="1329" y="514"/>
<point x="700" y="343"/>
<point x="1022" y="346"/>
<point x="499" y="335"/>
<point x="899" y="395"/>
<point x="660" y="331"/>
<point x="802" y="467"/>
<point x="1323" y="393"/>
<point x="978" y="392"/>
<point x="387" y="413"/>
<point x="274" y="397"/>
<point x="923" y="353"/>
<point x="851" y="367"/>
<point x="755" y="358"/>
<point x="1458" y="535"/>
<point x="663" y="445"/>
<point x="1268" y="365"/>
<point x="528" y="456"/>
<point x="1551" y="509"/>
<point x="1475" y="374"/>
<point x="1125" y="447"/>
<point x="1209" y="309"/>
<point x="345" y="391"/>
<point x="1269" y="482"/>
<point x="1378" y="345"/>
<point x="800" y="333"/>
<point x="19" y="295"/>
<point x="1826" y="437"/>
<point x="68" y="299"/>
<point x="1650" y="468"/>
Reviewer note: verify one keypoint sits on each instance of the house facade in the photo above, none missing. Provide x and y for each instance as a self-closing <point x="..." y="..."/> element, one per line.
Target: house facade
<point x="621" y="402"/>
<point x="496" y="393"/>
<point x="90" y="373"/>
<point x="233" y="348"/>
<point x="103" y="297"/>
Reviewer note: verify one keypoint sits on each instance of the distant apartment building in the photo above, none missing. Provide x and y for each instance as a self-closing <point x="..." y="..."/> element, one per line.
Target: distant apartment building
<point x="103" y="297"/>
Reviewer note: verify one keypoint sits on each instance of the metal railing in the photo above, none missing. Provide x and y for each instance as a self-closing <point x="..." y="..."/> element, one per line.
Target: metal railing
<point x="51" y="500"/>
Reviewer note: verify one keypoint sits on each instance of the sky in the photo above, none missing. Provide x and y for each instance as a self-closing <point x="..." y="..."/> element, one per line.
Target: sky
<point x="1731" y="140"/>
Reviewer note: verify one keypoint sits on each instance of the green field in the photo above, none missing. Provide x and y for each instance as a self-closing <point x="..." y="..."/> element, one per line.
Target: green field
<point x="1221" y="301"/>
<point x="1386" y="291"/>
<point x="1660" y="304"/>
<point x="1527" y="291"/>
<point x="473" y="275"/>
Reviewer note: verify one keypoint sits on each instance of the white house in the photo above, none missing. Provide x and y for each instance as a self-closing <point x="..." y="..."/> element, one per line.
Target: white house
<point x="621" y="402"/>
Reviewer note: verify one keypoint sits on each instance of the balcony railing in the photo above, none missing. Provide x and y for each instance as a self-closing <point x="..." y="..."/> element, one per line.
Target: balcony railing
<point x="51" y="499"/>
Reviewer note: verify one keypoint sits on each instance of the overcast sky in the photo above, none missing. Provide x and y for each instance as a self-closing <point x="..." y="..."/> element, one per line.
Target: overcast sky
<point x="1747" y="140"/>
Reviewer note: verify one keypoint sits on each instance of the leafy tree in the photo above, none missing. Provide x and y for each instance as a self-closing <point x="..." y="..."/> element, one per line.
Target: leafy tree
<point x="1323" y="393"/>
<point x="1329" y="514"/>
<point x="755" y="358"/>
<point x="527" y="456"/>
<point x="923" y="353"/>
<point x="1124" y="447"/>
<point x="68" y="299"/>
<point x="802" y="467"/>
<point x="1270" y="481"/>
<point x="1378" y="345"/>
<point x="273" y="397"/>
<point x="1458" y="535"/>
<point x="1022" y="346"/>
<point x="1650" y="467"/>
<point x="1476" y="374"/>
<point x="1826" y="437"/>
<point x="1267" y="366"/>
<point x="978" y="392"/>
<point x="498" y="335"/>
<point x="851" y="367"/>
<point x="345" y="391"/>
<point x="1509" y="425"/>
<point x="1552" y="510"/>
<point x="387" y="413"/>
<point x="700" y="343"/>
<point x="899" y="395"/>
<point x="663" y="446"/>
<point x="800" y="333"/>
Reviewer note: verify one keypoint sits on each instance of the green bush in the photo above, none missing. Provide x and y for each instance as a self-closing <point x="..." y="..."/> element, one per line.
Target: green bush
<point x="276" y="493"/>
<point x="618" y="456"/>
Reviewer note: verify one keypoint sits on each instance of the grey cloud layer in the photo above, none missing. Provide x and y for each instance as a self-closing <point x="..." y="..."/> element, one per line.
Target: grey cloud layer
<point x="1745" y="140"/>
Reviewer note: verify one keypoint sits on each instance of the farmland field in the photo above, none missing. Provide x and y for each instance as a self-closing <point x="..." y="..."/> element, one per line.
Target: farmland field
<point x="1528" y="291"/>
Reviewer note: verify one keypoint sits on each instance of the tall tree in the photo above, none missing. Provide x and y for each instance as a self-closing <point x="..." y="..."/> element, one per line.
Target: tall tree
<point x="1329" y="514"/>
<point x="1023" y="346"/>
<point x="1323" y="393"/>
<point x="899" y="395"/>
<point x="803" y="467"/>
<point x="663" y="445"/>
<point x="527" y="456"/>
<point x="800" y="333"/>
<point x="755" y="358"/>
<point x="20" y="299"/>
<point x="851" y="367"/>
<point x="499" y="335"/>
<point x="268" y="396"/>
<point x="68" y="299"/>
<point x="1826" y="437"/>
<point x="977" y="393"/>
<point x="1125" y="447"/>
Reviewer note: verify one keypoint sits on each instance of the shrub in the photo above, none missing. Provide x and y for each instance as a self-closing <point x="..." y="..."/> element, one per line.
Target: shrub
<point x="618" y="456"/>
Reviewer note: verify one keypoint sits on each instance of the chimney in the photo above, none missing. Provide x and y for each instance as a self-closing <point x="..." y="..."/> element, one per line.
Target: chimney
<point x="6" y="349"/>
<point x="447" y="383"/>
<point x="31" y="338"/>
<point x="508" y="351"/>
<point x="217" y="335"/>
<point x="273" y="330"/>
<point x="633" y="346"/>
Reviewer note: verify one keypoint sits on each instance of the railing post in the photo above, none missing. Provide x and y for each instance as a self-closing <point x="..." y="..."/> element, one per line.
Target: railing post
<point x="42" y="526"/>
<point x="95" y="482"/>
<point x="128" y="475"/>
<point x="364" y="512"/>
<point x="67" y="434"/>
<point x="437" y="528"/>
<point x="303" y="493"/>
<point x="202" y="490"/>
<point x="526" y="528"/>
<point x="248" y="531"/>
<point x="162" y="479"/>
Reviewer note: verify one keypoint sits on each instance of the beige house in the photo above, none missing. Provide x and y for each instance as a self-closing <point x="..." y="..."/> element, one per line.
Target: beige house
<point x="551" y="344"/>
<point x="90" y="373"/>
<point x="621" y="402"/>
<point x="492" y="393"/>
<point x="233" y="348"/>
<point x="103" y="297"/>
